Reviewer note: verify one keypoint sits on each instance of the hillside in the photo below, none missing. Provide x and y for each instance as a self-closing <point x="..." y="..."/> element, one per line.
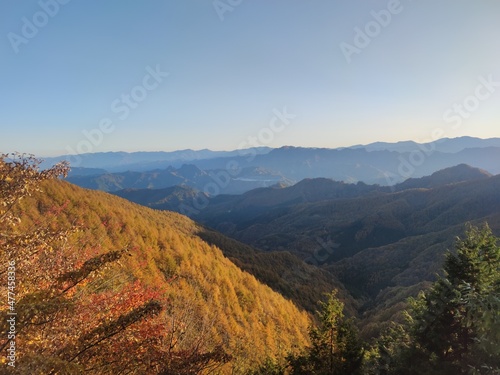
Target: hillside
<point x="203" y="289"/>
<point x="169" y="198"/>
<point x="357" y="216"/>
<point x="383" y="246"/>
<point x="286" y="273"/>
<point x="382" y="243"/>
<point x="258" y="201"/>
<point x="282" y="271"/>
<point x="100" y="285"/>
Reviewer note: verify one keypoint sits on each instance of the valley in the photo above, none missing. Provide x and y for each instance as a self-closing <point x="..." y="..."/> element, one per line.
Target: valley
<point x="249" y="269"/>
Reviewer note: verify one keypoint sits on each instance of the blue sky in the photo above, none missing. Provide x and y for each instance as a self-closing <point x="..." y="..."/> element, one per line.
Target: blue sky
<point x="429" y="69"/>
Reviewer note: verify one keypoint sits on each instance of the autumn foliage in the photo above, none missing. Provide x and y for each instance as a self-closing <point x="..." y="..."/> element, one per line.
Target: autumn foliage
<point x="104" y="286"/>
<point x="67" y="319"/>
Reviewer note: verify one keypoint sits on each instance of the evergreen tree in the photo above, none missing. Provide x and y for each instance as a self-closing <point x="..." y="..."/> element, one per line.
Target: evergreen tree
<point x="454" y="328"/>
<point x="335" y="346"/>
<point x="456" y="323"/>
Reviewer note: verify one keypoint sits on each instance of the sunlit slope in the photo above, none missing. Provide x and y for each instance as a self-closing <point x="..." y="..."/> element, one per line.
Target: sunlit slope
<point x="249" y="319"/>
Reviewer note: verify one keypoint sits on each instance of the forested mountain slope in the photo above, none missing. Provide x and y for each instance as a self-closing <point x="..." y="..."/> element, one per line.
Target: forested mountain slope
<point x="222" y="311"/>
<point x="99" y="285"/>
<point x="383" y="243"/>
<point x="383" y="246"/>
<point x="356" y="218"/>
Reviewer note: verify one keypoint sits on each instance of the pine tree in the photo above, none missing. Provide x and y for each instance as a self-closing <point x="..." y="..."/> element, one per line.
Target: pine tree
<point x="454" y="328"/>
<point x="335" y="346"/>
<point x="453" y="322"/>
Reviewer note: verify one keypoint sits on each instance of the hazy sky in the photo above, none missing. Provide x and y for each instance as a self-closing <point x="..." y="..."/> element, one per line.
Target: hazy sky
<point x="89" y="75"/>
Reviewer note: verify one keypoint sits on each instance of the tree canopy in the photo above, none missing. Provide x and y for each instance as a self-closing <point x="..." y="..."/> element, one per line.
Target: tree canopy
<point x="453" y="328"/>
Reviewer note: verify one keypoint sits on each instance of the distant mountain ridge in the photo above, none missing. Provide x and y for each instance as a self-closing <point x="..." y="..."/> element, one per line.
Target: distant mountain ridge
<point x="445" y="145"/>
<point x="207" y="181"/>
<point x="259" y="200"/>
<point x="235" y="172"/>
<point x="144" y="160"/>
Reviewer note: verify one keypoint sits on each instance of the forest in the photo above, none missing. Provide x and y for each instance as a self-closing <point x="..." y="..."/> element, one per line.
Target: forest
<point x="94" y="284"/>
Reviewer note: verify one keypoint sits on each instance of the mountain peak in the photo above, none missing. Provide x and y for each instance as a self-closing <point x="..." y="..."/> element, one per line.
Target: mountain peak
<point x="459" y="173"/>
<point x="190" y="171"/>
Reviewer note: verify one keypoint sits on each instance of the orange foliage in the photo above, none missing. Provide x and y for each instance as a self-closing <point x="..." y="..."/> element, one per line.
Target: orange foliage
<point x="119" y="287"/>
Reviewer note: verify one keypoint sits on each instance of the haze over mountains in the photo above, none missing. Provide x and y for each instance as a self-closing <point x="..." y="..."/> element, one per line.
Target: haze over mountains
<point x="332" y="208"/>
<point x="235" y="172"/>
<point x="143" y="161"/>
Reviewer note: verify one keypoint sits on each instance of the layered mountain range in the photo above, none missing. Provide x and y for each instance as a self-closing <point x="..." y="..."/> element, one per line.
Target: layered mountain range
<point x="372" y="221"/>
<point x="383" y="243"/>
<point x="235" y="172"/>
